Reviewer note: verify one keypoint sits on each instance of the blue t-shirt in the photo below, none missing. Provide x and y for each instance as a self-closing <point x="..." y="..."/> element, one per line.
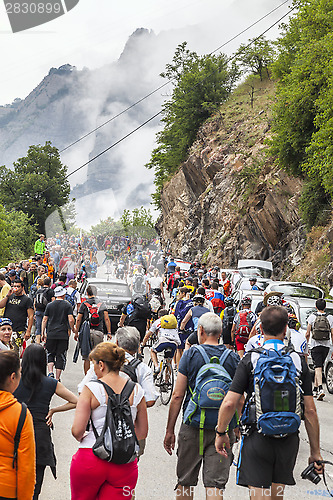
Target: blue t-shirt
<point x="197" y="312"/>
<point x="192" y="361"/>
<point x="181" y="310"/>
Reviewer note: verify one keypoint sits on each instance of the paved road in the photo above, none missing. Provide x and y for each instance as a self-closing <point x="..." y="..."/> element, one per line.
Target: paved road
<point x="157" y="470"/>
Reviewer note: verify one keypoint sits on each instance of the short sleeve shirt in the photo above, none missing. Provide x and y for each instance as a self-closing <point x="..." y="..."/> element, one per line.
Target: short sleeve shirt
<point x="192" y="361"/>
<point x="243" y="379"/>
<point x="84" y="311"/>
<point x="315" y="343"/>
<point x="57" y="313"/>
<point x="17" y="310"/>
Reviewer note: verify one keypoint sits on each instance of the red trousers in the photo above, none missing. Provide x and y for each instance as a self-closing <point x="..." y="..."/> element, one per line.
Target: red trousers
<point x="96" y="479"/>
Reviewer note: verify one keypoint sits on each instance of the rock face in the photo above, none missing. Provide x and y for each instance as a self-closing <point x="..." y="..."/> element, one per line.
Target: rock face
<point x="228" y="201"/>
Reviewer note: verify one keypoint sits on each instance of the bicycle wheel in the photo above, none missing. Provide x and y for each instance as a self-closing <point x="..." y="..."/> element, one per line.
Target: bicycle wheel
<point x="166" y="382"/>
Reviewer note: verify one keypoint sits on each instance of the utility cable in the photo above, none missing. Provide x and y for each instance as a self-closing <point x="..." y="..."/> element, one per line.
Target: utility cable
<point x="169" y="81"/>
<point x="160" y="112"/>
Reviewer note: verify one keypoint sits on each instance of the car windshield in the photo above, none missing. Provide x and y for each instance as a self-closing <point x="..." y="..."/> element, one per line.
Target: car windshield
<point x="245" y="285"/>
<point x="305" y="313"/>
<point x="118" y="289"/>
<point x="298" y="291"/>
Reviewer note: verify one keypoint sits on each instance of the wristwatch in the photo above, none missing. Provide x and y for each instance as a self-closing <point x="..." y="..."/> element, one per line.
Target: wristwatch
<point x="220" y="433"/>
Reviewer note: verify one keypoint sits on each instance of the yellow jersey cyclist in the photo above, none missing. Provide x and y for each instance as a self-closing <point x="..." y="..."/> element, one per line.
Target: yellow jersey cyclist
<point x="165" y="328"/>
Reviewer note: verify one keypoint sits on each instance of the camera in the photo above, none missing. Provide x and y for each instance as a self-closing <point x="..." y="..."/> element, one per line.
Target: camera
<point x="311" y="474"/>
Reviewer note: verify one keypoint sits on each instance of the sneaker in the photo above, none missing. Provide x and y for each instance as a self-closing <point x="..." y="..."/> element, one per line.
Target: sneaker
<point x="156" y="370"/>
<point x="51" y="374"/>
<point x="315" y="392"/>
<point x="321" y="395"/>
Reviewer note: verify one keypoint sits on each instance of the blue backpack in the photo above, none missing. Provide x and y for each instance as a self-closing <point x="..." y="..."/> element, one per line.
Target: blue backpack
<point x="211" y="385"/>
<point x="277" y="392"/>
<point x="71" y="298"/>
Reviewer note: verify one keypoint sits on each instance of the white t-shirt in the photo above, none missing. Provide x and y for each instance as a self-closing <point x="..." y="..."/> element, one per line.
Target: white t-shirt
<point x="170" y="334"/>
<point x="76" y="295"/>
<point x="297" y="339"/>
<point x="98" y="415"/>
<point x="144" y="376"/>
<point x="311" y="320"/>
<point x="155" y="282"/>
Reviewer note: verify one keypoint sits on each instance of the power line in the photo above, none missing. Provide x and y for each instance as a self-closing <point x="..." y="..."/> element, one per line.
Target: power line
<point x="169" y="81"/>
<point x="157" y="114"/>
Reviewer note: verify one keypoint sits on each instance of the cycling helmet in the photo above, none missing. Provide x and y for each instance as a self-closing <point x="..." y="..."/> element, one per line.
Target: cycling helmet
<point x="5" y="321"/>
<point x="253" y="278"/>
<point x="292" y="321"/>
<point x="169" y="321"/>
<point x="246" y="300"/>
<point x="229" y="301"/>
<point x="198" y="298"/>
<point x="274" y="300"/>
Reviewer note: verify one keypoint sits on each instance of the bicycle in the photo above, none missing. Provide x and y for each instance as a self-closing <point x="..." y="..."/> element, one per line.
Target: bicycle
<point x="165" y="378"/>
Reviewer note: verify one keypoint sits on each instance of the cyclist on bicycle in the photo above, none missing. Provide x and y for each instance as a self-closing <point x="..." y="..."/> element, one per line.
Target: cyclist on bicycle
<point x="165" y="328"/>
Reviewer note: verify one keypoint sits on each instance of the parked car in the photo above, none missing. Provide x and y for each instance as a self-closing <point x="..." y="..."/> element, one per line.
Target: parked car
<point x="328" y="370"/>
<point x="303" y="307"/>
<point x="296" y="290"/>
<point x="114" y="293"/>
<point x="244" y="284"/>
<point x="255" y="267"/>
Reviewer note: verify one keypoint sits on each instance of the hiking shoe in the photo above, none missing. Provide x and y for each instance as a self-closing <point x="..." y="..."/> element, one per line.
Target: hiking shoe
<point x="321" y="395"/>
<point x="51" y="375"/>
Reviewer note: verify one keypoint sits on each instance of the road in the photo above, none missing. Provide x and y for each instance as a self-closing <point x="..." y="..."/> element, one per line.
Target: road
<point x="157" y="477"/>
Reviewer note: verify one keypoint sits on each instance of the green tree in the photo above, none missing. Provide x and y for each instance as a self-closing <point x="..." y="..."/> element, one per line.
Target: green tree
<point x="257" y="56"/>
<point x="107" y="227"/>
<point x="201" y="84"/>
<point x="139" y="222"/>
<point x="37" y="185"/>
<point x="303" y="115"/>
<point x="17" y="236"/>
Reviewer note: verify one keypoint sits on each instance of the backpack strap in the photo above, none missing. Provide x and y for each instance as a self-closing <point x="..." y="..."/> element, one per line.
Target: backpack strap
<point x="224" y="356"/>
<point x="18" y="432"/>
<point x="203" y="353"/>
<point x="135" y="362"/>
<point x="127" y="390"/>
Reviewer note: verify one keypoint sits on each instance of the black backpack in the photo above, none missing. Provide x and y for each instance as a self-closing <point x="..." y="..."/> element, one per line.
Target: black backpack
<point x="321" y="329"/>
<point x="228" y="318"/>
<point x="142" y="309"/>
<point x="129" y="369"/>
<point x="41" y="299"/>
<point x="117" y="441"/>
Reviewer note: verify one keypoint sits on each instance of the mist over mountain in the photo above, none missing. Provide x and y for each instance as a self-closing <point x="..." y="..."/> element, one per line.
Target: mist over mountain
<point x="68" y="103"/>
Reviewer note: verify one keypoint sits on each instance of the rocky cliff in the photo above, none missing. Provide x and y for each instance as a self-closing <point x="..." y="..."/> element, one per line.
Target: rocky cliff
<point x="229" y="200"/>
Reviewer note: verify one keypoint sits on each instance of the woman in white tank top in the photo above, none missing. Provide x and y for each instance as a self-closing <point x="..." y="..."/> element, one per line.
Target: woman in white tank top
<point x="92" y="477"/>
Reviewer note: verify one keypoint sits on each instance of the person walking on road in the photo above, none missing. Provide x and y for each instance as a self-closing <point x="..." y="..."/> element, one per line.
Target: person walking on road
<point x="267" y="458"/>
<point x="19" y="309"/>
<point x="18" y="481"/>
<point x="5" y="334"/>
<point x="320" y="329"/>
<point x="189" y="457"/>
<point x="58" y="320"/>
<point x="36" y="391"/>
<point x="97" y="326"/>
<point x="91" y="477"/>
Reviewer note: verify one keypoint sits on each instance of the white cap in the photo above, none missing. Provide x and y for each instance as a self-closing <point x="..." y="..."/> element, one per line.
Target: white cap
<point x="59" y="291"/>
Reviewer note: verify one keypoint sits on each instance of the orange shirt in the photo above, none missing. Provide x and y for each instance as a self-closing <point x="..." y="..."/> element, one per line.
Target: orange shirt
<point x="24" y="476"/>
<point x="51" y="272"/>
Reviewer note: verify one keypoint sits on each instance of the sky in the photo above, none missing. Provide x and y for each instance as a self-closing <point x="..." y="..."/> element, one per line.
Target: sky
<point x="95" y="31"/>
<point x="93" y="34"/>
